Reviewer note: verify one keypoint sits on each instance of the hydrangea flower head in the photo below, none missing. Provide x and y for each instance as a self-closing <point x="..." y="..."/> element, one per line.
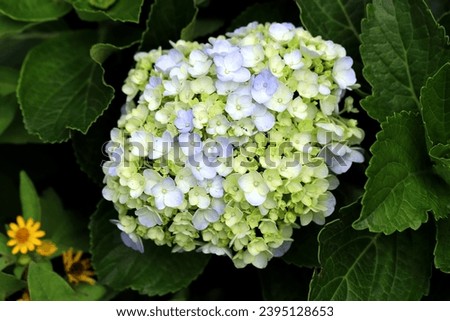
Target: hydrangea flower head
<point x="226" y="147"/>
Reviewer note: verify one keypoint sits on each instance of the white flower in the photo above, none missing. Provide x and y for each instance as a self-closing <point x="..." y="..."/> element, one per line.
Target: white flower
<point x="185" y="180"/>
<point x="339" y="157"/>
<point x="191" y="144"/>
<point x="166" y="62"/>
<point x="239" y="106"/>
<point x="199" y="197"/>
<point x="226" y="87"/>
<point x="220" y="47"/>
<point x="308" y="85"/>
<point x="252" y="55"/>
<point x="213" y="186"/>
<point x="229" y="67"/>
<point x="139" y="142"/>
<point x="280" y="99"/>
<point x="254" y="187"/>
<point x="203" y="217"/>
<point x="152" y="178"/>
<point x="201" y="169"/>
<point x="343" y="73"/>
<point x="184" y="121"/>
<point x="264" y="85"/>
<point x="167" y="194"/>
<point x="263" y="118"/>
<point x="148" y="217"/>
<point x="218" y="125"/>
<point x="161" y="146"/>
<point x="199" y="63"/>
<point x="282" y="32"/>
<point x="294" y="59"/>
<point x="133" y="241"/>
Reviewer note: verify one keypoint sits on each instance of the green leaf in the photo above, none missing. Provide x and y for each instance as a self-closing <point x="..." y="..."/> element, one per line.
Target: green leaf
<point x="8" y="80"/>
<point x="16" y="133"/>
<point x="336" y="20"/>
<point x="46" y="285"/>
<point x="16" y="46"/>
<point x="8" y="108"/>
<point x="402" y="45"/>
<point x="9" y="285"/>
<point x="440" y="154"/>
<point x="401" y="187"/>
<point x="167" y="21"/>
<point x="4" y="249"/>
<point x="34" y="10"/>
<point x="205" y="27"/>
<point x="62" y="88"/>
<point x="6" y="258"/>
<point x="156" y="272"/>
<point x="435" y="105"/>
<point x="359" y="265"/>
<point x="442" y="249"/>
<point x="29" y="198"/>
<point x="88" y="148"/>
<point x="63" y="227"/>
<point x="304" y="249"/>
<point x="87" y="292"/>
<point x="9" y="26"/>
<point x="121" y="10"/>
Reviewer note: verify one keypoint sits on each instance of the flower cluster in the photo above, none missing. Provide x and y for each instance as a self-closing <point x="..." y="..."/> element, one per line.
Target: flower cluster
<point x="227" y="146"/>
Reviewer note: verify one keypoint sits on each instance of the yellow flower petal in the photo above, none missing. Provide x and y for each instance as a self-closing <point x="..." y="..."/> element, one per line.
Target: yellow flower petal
<point x="11" y="242"/>
<point x="13" y="226"/>
<point x="20" y="221"/>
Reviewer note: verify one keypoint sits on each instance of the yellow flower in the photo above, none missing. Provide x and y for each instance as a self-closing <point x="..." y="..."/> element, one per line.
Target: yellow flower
<point x="47" y="248"/>
<point x="77" y="269"/>
<point x="24" y="235"/>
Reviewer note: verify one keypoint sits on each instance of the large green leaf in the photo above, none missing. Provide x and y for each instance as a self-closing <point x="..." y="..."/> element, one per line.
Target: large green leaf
<point x="9" y="26"/>
<point x="121" y="10"/>
<point x="46" y="285"/>
<point x="440" y="154"/>
<point x="34" y="10"/>
<point x="156" y="272"/>
<point x="442" y="250"/>
<point x="8" y="108"/>
<point x="9" y="285"/>
<point x="338" y="20"/>
<point x="63" y="227"/>
<point x="16" y="133"/>
<point x="168" y="20"/>
<point x="61" y="88"/>
<point x="31" y="205"/>
<point x="435" y="105"/>
<point x="8" y="80"/>
<point x="304" y="249"/>
<point x="401" y="187"/>
<point x="360" y="265"/>
<point x="402" y="45"/>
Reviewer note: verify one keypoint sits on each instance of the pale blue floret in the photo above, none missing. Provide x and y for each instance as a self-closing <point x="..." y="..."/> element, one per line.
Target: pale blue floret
<point x="190" y="143"/>
<point x="229" y="67"/>
<point x="133" y="241"/>
<point x="148" y="217"/>
<point x="264" y="85"/>
<point x="263" y="119"/>
<point x="184" y="121"/>
<point x="167" y="194"/>
<point x="161" y="146"/>
<point x="166" y="62"/>
<point x="203" y="217"/>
